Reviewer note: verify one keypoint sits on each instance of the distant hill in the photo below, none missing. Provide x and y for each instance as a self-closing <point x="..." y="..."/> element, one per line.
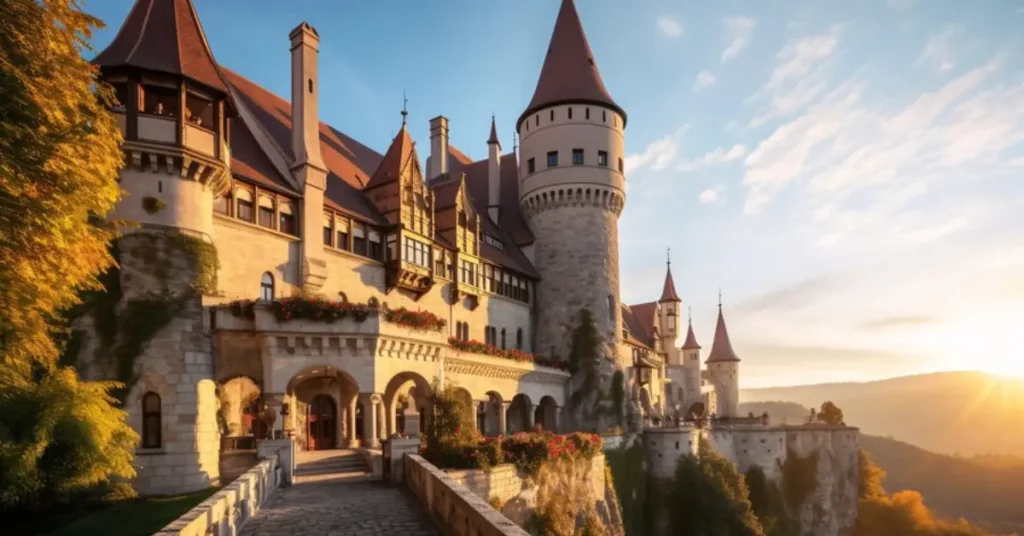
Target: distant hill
<point x="988" y="490"/>
<point x="950" y="412"/>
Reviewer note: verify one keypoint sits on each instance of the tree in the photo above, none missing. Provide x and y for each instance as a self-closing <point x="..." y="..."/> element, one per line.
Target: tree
<point x="709" y="497"/>
<point x="767" y="503"/>
<point x="59" y="161"/>
<point x="831" y="414"/>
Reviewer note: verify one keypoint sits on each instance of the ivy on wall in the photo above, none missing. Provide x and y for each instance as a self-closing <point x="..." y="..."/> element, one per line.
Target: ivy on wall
<point x="586" y="400"/>
<point x="799" y="478"/>
<point x="152" y="205"/>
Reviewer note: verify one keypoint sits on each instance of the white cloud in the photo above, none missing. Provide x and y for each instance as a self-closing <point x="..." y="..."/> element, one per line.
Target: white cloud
<point x="708" y="195"/>
<point x="704" y="79"/>
<point x="658" y="154"/>
<point x="739" y="30"/>
<point x="798" y="77"/>
<point x="938" y="52"/>
<point x="859" y="167"/>
<point x="720" y="155"/>
<point x="670" y="27"/>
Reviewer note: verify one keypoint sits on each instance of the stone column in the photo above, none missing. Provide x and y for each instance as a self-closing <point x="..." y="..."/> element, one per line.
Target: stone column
<point x="350" y="417"/>
<point x="370" y="403"/>
<point x="503" y="417"/>
<point x="558" y="420"/>
<point x="392" y="421"/>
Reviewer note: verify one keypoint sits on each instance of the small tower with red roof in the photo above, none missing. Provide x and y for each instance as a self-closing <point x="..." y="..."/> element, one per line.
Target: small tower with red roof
<point x="724" y="369"/>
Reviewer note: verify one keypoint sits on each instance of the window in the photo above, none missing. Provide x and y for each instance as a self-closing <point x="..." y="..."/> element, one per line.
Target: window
<point x="536" y="120"/>
<point x="587" y="114"/>
<point x="121" y="97"/>
<point x="519" y="338"/>
<point x="244" y="210"/>
<point x="602" y="158"/>
<point x="467" y="273"/>
<point x="570" y="113"/>
<point x="376" y="247"/>
<point x="162" y="101"/>
<point x="222" y="204"/>
<point x="286" y="220"/>
<point x="391" y="251"/>
<point x="552" y="115"/>
<point x="604" y="116"/>
<point x="328" y="231"/>
<point x="266" y="212"/>
<point x="494" y="242"/>
<point x="577" y="157"/>
<point x="439" y="266"/>
<point x="531" y="165"/>
<point x="502" y="338"/>
<point x="552" y="158"/>
<point x="199" y="111"/>
<point x="622" y="167"/>
<point x="625" y="335"/>
<point x="341" y="228"/>
<point x="151" y="421"/>
<point x="359" y="238"/>
<point x="417" y="252"/>
<point x="267" y="287"/>
<point x="489" y="335"/>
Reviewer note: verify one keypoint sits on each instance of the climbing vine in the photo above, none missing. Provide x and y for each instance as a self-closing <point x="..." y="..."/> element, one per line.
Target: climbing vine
<point x="205" y="263"/>
<point x="584" y="362"/>
<point x="799" y="478"/>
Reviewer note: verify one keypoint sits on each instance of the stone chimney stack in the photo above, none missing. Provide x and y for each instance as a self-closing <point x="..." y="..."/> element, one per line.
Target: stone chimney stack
<point x="438" y="147"/>
<point x="493" y="174"/>
<point x="308" y="167"/>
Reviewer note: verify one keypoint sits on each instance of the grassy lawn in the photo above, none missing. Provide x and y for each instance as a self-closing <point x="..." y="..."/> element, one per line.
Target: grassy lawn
<point x="140" y="517"/>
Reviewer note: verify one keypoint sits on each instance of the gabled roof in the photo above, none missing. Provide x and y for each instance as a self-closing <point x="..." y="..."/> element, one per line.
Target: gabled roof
<point x="639" y="322"/>
<point x="668" y="293"/>
<point x="164" y="36"/>
<point x="510" y="218"/>
<point x="569" y="74"/>
<point x="721" y="348"/>
<point x="691" y="339"/>
<point x="395" y="160"/>
<point x="349" y="163"/>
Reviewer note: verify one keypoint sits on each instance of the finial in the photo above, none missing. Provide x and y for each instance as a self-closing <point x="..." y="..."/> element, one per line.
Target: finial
<point x="668" y="256"/>
<point x="719" y="299"/>
<point x="405" y="107"/>
<point x="689" y="314"/>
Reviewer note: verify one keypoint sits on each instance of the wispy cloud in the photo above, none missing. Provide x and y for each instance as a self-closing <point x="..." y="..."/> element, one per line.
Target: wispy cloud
<point x="938" y="52"/>
<point x="703" y="79"/>
<point x="902" y="321"/>
<point x="658" y="154"/>
<point x="670" y="27"/>
<point x="719" y="155"/>
<point x="707" y="196"/>
<point x="738" y="31"/>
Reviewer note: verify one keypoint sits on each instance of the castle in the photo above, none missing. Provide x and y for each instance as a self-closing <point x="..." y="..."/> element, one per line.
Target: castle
<point x="345" y="283"/>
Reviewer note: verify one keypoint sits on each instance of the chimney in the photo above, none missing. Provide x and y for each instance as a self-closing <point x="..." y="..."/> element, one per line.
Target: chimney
<point x="308" y="167"/>
<point x="438" y="147"/>
<point x="305" y="110"/>
<point x="493" y="174"/>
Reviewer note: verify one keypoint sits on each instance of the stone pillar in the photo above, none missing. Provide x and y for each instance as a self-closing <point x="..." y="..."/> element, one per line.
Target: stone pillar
<point x="275" y="402"/>
<point x="503" y="418"/>
<point x="412" y="421"/>
<point x="392" y="421"/>
<point x="350" y="417"/>
<point x="557" y="425"/>
<point x="370" y="403"/>
<point x="531" y="411"/>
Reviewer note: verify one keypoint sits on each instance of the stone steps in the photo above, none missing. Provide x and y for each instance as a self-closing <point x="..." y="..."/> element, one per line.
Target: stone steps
<point x="320" y="466"/>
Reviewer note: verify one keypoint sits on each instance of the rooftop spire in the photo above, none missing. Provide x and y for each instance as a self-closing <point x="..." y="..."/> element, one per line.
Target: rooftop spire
<point x="691" y="339"/>
<point x="668" y="293"/>
<point x="164" y="36"/>
<point x="721" y="348"/>
<point x="494" y="133"/>
<point x="405" y="108"/>
<point x="569" y="74"/>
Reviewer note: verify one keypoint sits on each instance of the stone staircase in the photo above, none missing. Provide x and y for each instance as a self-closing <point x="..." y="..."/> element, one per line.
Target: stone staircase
<point x="331" y="465"/>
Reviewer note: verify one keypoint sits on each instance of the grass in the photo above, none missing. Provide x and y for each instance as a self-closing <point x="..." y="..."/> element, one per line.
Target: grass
<point x="137" y="517"/>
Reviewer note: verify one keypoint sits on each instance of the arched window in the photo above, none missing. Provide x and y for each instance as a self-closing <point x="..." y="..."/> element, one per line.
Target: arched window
<point x="267" y="287"/>
<point x="151" y="420"/>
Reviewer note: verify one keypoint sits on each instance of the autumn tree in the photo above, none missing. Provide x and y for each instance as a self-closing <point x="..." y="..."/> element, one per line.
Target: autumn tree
<point x="831" y="414"/>
<point x="59" y="160"/>
<point x="709" y="497"/>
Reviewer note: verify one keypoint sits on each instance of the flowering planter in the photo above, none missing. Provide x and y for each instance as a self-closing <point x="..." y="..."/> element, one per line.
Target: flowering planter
<point x="477" y="347"/>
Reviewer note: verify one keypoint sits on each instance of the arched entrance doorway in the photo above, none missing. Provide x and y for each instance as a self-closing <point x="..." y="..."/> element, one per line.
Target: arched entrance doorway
<point x="544" y="417"/>
<point x="321" y="423"/>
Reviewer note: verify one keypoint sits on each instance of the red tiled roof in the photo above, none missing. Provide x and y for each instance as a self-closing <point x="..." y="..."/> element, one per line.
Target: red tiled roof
<point x="639" y="321"/>
<point x="668" y="293"/>
<point x="569" y="74"/>
<point x="395" y="159"/>
<point x="250" y="162"/>
<point x="349" y="163"/>
<point x="691" y="339"/>
<point x="510" y="217"/>
<point x="164" y="36"/>
<point x="721" y="348"/>
<point x="446" y="192"/>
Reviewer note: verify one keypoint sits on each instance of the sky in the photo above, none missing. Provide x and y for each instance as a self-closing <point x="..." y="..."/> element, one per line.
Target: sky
<point x="850" y="174"/>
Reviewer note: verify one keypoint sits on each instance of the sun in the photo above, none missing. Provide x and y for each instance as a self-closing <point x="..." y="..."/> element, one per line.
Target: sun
<point x="987" y="341"/>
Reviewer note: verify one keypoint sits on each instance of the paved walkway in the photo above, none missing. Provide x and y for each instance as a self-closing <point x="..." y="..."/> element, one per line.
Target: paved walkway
<point x="336" y="508"/>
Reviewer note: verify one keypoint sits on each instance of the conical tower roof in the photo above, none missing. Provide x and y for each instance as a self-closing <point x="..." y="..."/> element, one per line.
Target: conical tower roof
<point x="691" y="339"/>
<point x="164" y="36"/>
<point x="721" y="348"/>
<point x="668" y="292"/>
<point x="395" y="159"/>
<point x="569" y="74"/>
<point x="493" y="139"/>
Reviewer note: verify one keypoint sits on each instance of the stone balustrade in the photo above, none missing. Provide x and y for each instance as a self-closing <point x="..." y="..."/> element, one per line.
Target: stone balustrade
<point x="226" y="511"/>
<point x="452" y="506"/>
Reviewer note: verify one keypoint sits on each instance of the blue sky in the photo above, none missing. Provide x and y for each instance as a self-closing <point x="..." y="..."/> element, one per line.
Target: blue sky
<point x="850" y="173"/>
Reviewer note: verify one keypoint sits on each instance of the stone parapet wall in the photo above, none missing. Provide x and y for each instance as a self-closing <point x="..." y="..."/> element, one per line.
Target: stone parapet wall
<point x="229" y="509"/>
<point x="456" y="509"/>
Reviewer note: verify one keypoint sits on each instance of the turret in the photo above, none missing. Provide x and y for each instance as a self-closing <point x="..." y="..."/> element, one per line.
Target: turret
<point x="668" y="305"/>
<point x="493" y="174"/>
<point x="724" y="370"/>
<point x="572" y="190"/>
<point x="173" y="109"/>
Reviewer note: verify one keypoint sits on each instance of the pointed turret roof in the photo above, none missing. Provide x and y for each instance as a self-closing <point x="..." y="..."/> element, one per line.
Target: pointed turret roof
<point x="668" y="292"/>
<point x="164" y="36"/>
<point x="494" y="134"/>
<point x="721" y="348"/>
<point x="395" y="159"/>
<point x="691" y="339"/>
<point x="569" y="74"/>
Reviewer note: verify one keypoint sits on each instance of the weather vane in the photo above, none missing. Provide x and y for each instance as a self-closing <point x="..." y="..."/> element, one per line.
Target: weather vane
<point x="405" y="107"/>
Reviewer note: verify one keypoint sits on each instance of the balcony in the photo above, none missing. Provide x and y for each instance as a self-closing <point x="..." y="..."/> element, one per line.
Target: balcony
<point x="157" y="128"/>
<point x="200" y="140"/>
<point x="409" y="276"/>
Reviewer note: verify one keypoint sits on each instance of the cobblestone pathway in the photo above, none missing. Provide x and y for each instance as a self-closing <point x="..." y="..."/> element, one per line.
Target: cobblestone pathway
<point x="340" y="508"/>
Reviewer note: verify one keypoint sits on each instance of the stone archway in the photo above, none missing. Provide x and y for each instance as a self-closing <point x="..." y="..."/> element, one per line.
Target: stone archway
<point x="519" y="417"/>
<point x="546" y="415"/>
<point x="407" y="393"/>
<point x="241" y="412"/>
<point x="318" y="401"/>
<point x="695" y="411"/>
<point x="494" y="415"/>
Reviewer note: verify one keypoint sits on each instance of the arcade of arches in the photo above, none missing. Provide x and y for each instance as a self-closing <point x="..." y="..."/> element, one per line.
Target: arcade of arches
<point x="324" y="407"/>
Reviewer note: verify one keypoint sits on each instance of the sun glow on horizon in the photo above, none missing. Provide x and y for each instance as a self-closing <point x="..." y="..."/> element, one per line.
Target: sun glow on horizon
<point x="986" y="341"/>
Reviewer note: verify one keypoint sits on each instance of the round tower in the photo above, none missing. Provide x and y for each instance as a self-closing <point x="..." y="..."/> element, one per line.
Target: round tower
<point x="724" y="370"/>
<point x="572" y="190"/>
